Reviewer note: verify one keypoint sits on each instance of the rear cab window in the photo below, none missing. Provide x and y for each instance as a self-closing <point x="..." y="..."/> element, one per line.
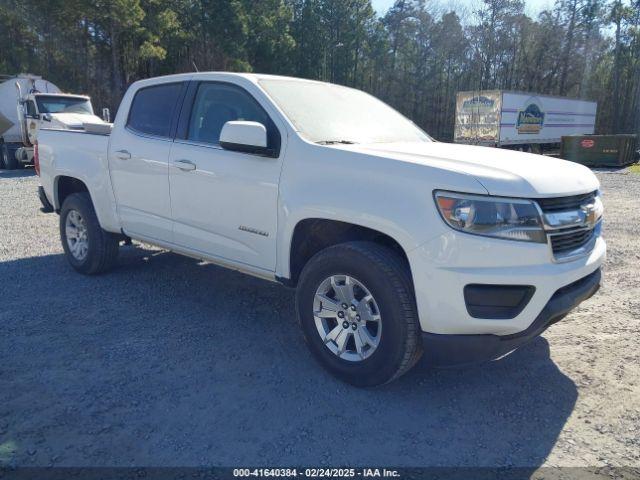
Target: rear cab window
<point x="154" y="109"/>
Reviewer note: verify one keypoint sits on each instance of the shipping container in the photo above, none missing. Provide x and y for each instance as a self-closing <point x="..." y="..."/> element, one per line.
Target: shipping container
<point x="600" y="150"/>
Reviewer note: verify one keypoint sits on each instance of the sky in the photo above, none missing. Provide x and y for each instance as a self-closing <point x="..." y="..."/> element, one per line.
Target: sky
<point x="532" y="7"/>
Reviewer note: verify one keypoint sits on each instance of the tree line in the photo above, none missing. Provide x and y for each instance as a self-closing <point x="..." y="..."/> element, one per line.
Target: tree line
<point x="415" y="57"/>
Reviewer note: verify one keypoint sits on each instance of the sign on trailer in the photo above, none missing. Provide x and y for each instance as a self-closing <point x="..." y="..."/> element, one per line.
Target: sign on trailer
<point x="499" y="118"/>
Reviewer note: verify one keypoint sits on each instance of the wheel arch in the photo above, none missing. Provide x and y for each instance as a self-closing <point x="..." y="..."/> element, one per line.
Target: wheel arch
<point x="65" y="185"/>
<point x="311" y="235"/>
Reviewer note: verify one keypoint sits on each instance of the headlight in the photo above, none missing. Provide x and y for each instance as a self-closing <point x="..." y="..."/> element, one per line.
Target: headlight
<point x="508" y="218"/>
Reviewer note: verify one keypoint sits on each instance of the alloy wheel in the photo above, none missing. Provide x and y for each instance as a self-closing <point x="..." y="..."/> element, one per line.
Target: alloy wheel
<point x="347" y="318"/>
<point x="77" y="236"/>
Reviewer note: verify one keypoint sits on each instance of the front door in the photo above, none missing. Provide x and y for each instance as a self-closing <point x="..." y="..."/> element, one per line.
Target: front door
<point x="139" y="162"/>
<point x="224" y="203"/>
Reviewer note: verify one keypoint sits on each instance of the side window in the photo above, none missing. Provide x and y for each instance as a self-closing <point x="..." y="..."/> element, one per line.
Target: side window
<point x="218" y="103"/>
<point x="31" y="109"/>
<point x="153" y="109"/>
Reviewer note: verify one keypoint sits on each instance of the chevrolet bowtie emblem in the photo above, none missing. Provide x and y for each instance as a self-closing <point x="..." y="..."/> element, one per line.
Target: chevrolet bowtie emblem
<point x="590" y="215"/>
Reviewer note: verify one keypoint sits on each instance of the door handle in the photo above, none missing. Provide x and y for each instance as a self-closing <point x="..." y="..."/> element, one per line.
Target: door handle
<point x="184" y="165"/>
<point x="123" y="154"/>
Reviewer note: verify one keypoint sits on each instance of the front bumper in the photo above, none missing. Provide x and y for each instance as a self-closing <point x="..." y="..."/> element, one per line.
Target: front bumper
<point x="444" y="266"/>
<point x="448" y="350"/>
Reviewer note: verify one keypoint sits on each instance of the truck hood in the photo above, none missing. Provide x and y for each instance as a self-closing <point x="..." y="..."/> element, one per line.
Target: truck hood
<point x="72" y="121"/>
<point x="501" y="172"/>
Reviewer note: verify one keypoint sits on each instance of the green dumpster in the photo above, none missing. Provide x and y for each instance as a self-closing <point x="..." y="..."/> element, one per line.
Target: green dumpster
<point x="600" y="150"/>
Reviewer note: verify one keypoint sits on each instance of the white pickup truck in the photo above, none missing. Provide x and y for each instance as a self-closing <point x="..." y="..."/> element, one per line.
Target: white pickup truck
<point x="398" y="245"/>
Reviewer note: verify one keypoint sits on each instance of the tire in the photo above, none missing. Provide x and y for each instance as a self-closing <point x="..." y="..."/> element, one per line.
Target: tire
<point x="385" y="275"/>
<point x="100" y="247"/>
<point x="9" y="158"/>
<point x="4" y="156"/>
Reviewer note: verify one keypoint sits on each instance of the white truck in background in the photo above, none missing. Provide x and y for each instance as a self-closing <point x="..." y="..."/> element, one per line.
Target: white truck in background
<point x="397" y="245"/>
<point x="522" y="121"/>
<point x="27" y="103"/>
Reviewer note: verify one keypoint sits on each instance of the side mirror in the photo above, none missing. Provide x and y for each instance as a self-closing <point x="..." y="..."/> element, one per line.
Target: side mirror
<point x="46" y="117"/>
<point x="247" y="137"/>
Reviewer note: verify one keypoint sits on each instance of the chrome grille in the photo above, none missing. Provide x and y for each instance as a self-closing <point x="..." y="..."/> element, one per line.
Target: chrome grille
<point x="569" y="231"/>
<point x="558" y="204"/>
<point x="570" y="239"/>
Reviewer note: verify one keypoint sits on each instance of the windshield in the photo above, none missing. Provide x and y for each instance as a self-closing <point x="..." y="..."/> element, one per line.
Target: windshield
<point x="58" y="104"/>
<point x="328" y="113"/>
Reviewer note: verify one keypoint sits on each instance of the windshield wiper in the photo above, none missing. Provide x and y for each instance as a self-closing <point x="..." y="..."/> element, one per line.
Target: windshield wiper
<point x="334" y="142"/>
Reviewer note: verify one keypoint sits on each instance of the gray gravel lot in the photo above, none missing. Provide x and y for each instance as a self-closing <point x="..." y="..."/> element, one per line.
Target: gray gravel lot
<point x="171" y="362"/>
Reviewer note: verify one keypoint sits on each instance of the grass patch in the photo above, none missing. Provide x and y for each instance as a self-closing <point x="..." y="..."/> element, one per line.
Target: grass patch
<point x="7" y="451"/>
<point x="635" y="168"/>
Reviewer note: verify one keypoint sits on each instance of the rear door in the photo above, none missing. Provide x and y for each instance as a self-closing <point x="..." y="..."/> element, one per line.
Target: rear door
<point x="139" y="160"/>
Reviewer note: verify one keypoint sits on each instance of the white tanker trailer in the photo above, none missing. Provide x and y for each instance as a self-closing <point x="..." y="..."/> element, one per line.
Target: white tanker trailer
<point x="27" y="103"/>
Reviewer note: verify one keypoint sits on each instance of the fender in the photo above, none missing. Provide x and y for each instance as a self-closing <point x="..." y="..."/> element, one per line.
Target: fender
<point x="391" y="197"/>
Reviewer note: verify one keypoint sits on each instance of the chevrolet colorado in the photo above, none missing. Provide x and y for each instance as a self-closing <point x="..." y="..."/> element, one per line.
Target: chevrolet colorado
<point x="397" y="245"/>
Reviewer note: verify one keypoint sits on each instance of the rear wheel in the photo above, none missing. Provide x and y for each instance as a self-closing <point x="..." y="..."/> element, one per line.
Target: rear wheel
<point x="9" y="158"/>
<point x="4" y="156"/>
<point x="88" y="248"/>
<point x="356" y="306"/>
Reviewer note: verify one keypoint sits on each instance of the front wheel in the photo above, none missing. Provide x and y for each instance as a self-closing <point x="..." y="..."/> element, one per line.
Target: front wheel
<point x="357" y="310"/>
<point x="88" y="248"/>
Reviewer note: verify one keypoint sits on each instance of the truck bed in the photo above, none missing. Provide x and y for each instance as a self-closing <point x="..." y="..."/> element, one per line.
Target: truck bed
<point x="77" y="154"/>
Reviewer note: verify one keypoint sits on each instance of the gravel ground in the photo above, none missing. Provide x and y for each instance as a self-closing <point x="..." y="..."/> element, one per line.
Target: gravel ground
<point x="172" y="362"/>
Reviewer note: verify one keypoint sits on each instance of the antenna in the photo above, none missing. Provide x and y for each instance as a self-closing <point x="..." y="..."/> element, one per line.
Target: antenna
<point x="195" y="66"/>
